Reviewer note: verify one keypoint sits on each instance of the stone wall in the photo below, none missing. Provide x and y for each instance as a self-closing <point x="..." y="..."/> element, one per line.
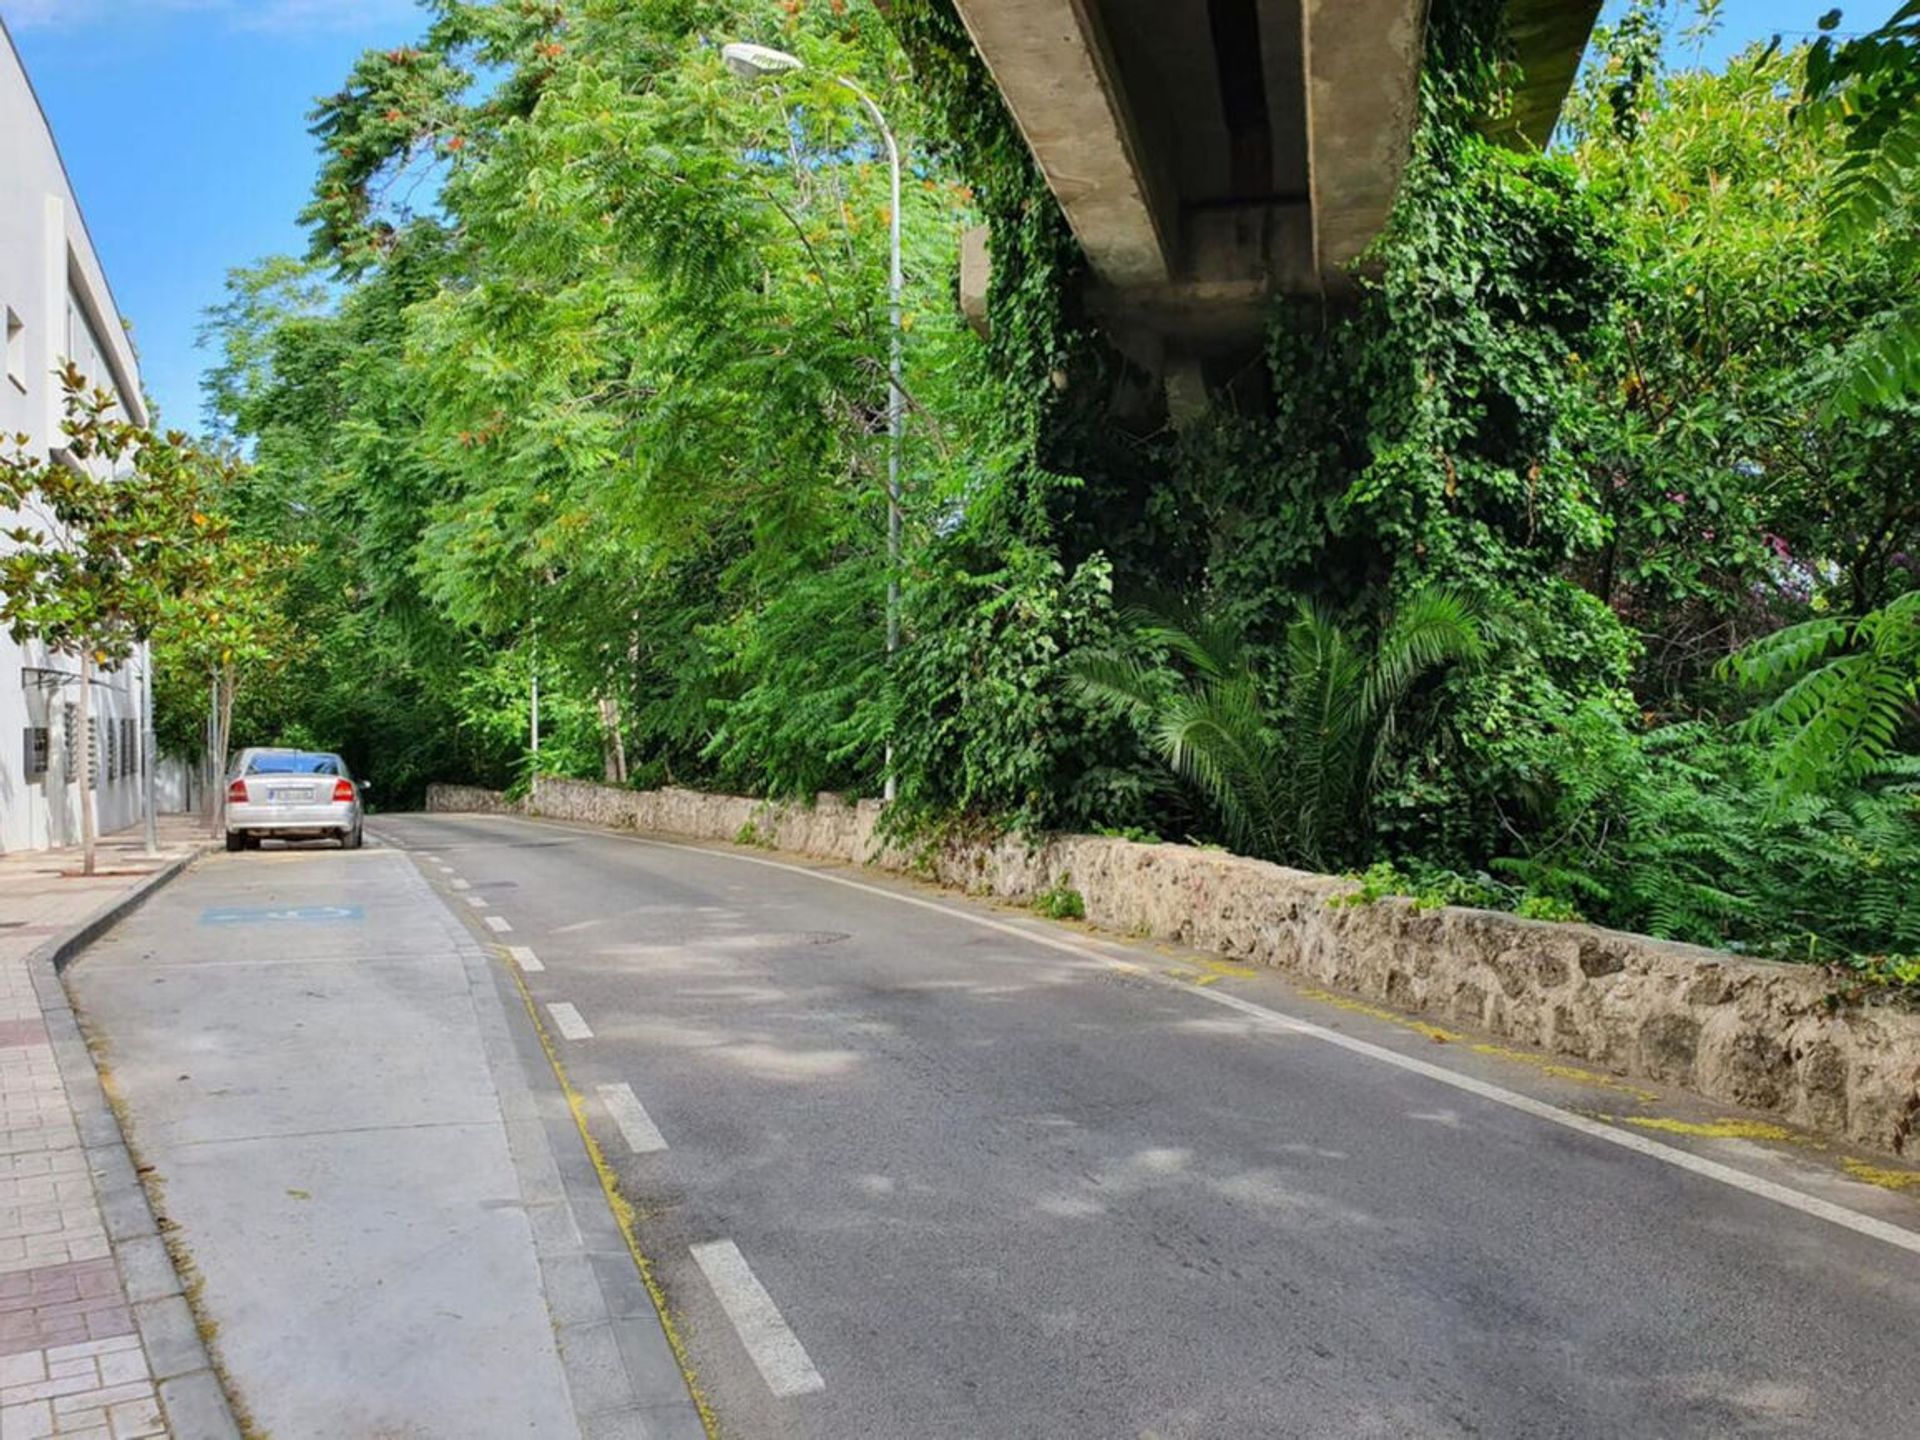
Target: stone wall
<point x="469" y="800"/>
<point x="1746" y="1032"/>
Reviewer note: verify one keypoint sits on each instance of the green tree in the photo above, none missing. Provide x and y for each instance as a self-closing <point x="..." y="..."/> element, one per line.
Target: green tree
<point x="1845" y="693"/>
<point x="1870" y="87"/>
<point x="111" y="530"/>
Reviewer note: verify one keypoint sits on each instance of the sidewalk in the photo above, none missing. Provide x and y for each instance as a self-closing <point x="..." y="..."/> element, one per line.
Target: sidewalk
<point x="95" y="1337"/>
<point x="369" y="1166"/>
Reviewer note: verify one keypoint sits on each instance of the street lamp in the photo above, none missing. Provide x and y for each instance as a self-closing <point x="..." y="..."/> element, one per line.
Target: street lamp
<point x="759" y="62"/>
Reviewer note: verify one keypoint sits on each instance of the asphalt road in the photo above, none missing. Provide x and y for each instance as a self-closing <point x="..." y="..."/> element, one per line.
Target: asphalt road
<point x="904" y="1175"/>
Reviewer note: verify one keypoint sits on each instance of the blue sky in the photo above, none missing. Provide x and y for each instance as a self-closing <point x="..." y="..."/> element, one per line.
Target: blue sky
<point x="183" y="125"/>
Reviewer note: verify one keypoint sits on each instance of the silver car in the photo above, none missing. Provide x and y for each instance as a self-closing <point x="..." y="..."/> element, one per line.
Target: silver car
<point x="291" y="795"/>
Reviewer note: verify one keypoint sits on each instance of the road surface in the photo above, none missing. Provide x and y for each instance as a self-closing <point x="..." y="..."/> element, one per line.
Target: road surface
<point x="906" y="1174"/>
<point x="908" y="1165"/>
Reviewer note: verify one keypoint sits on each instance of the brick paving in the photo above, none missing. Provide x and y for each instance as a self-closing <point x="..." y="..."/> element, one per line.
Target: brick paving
<point x="71" y="1359"/>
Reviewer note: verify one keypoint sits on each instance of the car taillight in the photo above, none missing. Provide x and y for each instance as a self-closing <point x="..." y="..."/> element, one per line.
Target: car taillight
<point x="237" y="792"/>
<point x="342" y="790"/>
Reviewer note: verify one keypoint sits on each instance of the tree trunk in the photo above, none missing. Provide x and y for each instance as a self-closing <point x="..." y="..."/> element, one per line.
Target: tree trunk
<point x="212" y="784"/>
<point x="613" y="745"/>
<point x="86" y="761"/>
<point x="222" y="732"/>
<point x="148" y="789"/>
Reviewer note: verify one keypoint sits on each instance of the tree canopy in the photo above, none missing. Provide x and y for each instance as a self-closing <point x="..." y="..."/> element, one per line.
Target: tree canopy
<point x="585" y="378"/>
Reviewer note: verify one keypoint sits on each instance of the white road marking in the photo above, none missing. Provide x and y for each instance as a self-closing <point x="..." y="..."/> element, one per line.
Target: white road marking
<point x="479" y="902"/>
<point x="499" y="923"/>
<point x="778" y="1355"/>
<point x="461" y="884"/>
<point x="525" y="958"/>
<point x="568" y="1022"/>
<point x="1868" y="1225"/>
<point x="643" y="1137"/>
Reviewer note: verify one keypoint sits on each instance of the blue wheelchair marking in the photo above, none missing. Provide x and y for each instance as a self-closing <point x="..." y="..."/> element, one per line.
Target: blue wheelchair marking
<point x="298" y="915"/>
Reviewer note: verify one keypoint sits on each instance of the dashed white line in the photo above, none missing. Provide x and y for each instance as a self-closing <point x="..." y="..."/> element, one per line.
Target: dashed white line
<point x="499" y="923"/>
<point x="568" y="1022"/>
<point x="461" y="884"/>
<point x="636" y="1127"/>
<point x="776" y="1352"/>
<point x="479" y="902"/>
<point x="525" y="958"/>
<point x="1783" y="1195"/>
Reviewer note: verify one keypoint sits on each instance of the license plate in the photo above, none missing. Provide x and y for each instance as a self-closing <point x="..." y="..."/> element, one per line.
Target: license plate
<point x="286" y="794"/>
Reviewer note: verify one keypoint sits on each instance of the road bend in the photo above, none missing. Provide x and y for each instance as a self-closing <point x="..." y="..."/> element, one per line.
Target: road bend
<point x="910" y="1166"/>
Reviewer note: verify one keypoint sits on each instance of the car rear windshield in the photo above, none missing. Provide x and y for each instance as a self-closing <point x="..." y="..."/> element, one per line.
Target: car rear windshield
<point x="294" y="765"/>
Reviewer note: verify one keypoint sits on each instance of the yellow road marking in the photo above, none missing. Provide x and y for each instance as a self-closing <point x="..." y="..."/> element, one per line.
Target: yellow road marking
<point x="1442" y="1036"/>
<point x="622" y="1208"/>
<point x="1884" y="1178"/>
<point x="1710" y="1129"/>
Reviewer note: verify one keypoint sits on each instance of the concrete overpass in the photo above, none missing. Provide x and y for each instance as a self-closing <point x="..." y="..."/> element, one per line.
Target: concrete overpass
<point x="1211" y="153"/>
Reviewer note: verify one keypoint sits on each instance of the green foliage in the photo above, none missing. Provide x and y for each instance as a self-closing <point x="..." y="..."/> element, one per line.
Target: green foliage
<point x="586" y="378"/>
<point x="751" y="834"/>
<point x="995" y="729"/>
<point x="1729" y="505"/>
<point x="1848" y="693"/>
<point x="101" y="537"/>
<point x="1288" y="776"/>
<point x="1546" y="907"/>
<point x="1679" y="833"/>
<point x="1427" y="887"/>
<point x="1061" y="902"/>
<point x="1870" y="87"/>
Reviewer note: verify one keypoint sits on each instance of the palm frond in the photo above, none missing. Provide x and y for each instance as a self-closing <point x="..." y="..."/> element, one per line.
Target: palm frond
<point x="1215" y="738"/>
<point x="1117" y="680"/>
<point x="1436" y="628"/>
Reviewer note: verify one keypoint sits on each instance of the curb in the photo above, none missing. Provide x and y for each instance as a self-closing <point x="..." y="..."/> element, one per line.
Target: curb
<point x="189" y="1387"/>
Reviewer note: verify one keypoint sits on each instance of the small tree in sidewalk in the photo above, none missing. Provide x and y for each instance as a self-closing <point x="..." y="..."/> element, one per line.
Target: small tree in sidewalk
<point x="110" y="529"/>
<point x="229" y="629"/>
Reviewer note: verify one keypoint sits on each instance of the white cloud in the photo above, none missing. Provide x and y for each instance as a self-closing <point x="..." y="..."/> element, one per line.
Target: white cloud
<point x="277" y="15"/>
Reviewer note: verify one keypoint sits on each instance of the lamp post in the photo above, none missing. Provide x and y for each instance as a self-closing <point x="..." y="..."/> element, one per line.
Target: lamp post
<point x="759" y="62"/>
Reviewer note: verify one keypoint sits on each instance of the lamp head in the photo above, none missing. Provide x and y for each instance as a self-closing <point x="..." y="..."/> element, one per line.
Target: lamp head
<point x="757" y="62"/>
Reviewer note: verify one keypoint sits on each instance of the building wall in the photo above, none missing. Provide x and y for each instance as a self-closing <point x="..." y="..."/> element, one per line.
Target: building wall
<point x="56" y="306"/>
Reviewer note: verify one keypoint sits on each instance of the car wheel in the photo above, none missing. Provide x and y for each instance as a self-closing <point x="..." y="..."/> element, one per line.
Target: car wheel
<point x="252" y="842"/>
<point x="234" y="840"/>
<point x="350" y="839"/>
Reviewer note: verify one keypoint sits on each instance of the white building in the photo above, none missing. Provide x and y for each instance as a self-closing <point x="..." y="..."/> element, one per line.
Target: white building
<point x="56" y="307"/>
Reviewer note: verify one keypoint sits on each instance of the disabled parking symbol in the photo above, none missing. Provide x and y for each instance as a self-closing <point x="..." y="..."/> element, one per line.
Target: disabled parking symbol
<point x="293" y="915"/>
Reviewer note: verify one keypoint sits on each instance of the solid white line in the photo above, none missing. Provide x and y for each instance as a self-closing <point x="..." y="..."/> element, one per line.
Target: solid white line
<point x="478" y="902"/>
<point x="1868" y="1225"/>
<point x="643" y="1137"/>
<point x="461" y="884"/>
<point x="776" y="1352"/>
<point x="498" y="922"/>
<point x="525" y="958"/>
<point x="568" y="1022"/>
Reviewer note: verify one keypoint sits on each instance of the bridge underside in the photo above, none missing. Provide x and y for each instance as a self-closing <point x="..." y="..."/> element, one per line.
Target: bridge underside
<point x="1212" y="153"/>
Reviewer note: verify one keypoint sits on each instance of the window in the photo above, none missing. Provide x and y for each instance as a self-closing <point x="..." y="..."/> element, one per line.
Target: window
<point x="38" y="740"/>
<point x="130" y="746"/>
<point x="111" y="759"/>
<point x="72" y="747"/>
<point x="16" y="350"/>
<point x="288" y="762"/>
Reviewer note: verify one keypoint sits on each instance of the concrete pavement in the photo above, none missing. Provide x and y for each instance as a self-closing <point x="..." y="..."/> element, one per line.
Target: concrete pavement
<point x="362" y="1149"/>
<point x="905" y="1173"/>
